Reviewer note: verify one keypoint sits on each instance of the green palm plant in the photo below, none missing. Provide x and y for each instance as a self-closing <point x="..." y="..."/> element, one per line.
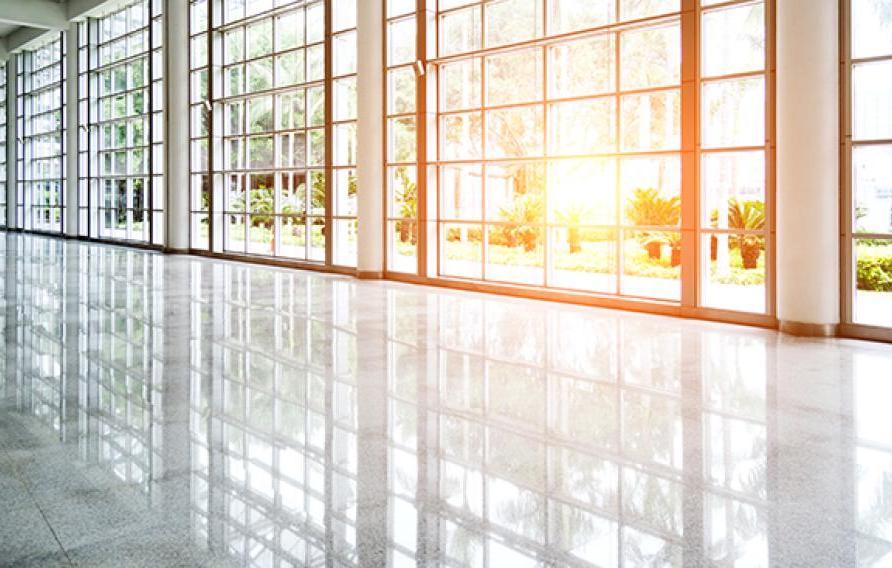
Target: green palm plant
<point x="747" y="216"/>
<point x="407" y="196"/>
<point x="648" y="208"/>
<point x="572" y="218"/>
<point x="525" y="215"/>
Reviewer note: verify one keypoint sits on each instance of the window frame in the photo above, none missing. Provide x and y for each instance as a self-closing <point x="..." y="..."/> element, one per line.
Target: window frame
<point x="691" y="227"/>
<point x="848" y="284"/>
<point x="27" y="179"/>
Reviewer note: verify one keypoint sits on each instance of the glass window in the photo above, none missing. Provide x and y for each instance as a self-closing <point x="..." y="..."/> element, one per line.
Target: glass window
<point x="3" y="143"/>
<point x="870" y="215"/>
<point x="558" y="159"/>
<point x="121" y="179"/>
<point x="274" y="138"/>
<point x="734" y="204"/>
<point x="401" y="134"/>
<point x="41" y="146"/>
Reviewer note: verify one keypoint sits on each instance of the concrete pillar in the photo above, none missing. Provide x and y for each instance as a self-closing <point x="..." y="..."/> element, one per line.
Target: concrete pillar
<point x="370" y="126"/>
<point x="808" y="282"/>
<point x="72" y="133"/>
<point x="11" y="134"/>
<point x="176" y="66"/>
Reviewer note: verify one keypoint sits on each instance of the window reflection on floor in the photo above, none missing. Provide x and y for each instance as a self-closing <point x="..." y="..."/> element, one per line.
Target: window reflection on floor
<point x="326" y="417"/>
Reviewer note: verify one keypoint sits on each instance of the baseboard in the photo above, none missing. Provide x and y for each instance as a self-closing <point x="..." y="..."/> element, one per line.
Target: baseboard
<point x="370" y="274"/>
<point x="802" y="329"/>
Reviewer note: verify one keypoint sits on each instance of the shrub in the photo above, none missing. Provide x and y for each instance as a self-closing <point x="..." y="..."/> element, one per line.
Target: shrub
<point x="875" y="269"/>
<point x="650" y="209"/>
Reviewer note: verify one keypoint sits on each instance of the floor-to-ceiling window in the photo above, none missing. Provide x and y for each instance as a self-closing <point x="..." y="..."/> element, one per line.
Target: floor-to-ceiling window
<point x="401" y="142"/>
<point x="274" y="129"/>
<point x="604" y="148"/>
<point x="734" y="153"/>
<point x="41" y="145"/>
<point x="867" y="155"/>
<point x="121" y="184"/>
<point x="3" y="144"/>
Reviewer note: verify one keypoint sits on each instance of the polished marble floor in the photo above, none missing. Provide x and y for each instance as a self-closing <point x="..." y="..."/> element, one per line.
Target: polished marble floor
<point x="168" y="410"/>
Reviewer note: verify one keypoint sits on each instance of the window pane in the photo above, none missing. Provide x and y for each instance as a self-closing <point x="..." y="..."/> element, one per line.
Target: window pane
<point x="460" y="85"/>
<point x="873" y="21"/>
<point x="403" y="246"/>
<point x="652" y="191"/>
<point x="290" y="30"/>
<point x="733" y="272"/>
<point x="732" y="180"/>
<point x="651" y="121"/>
<point x="572" y="15"/>
<point x="512" y="21"/>
<point x="872" y="100"/>
<point x="733" y="40"/>
<point x="461" y="136"/>
<point x="259" y="38"/>
<point x="651" y="57"/>
<point x="583" y="127"/>
<point x="401" y="90"/>
<point x="461" y="191"/>
<point x="652" y="264"/>
<point x="873" y="295"/>
<point x="344" y="14"/>
<point x="515" y="193"/>
<point x="733" y="112"/>
<point x="514" y="77"/>
<point x="872" y="188"/>
<point x="346" y="239"/>
<point x="583" y="258"/>
<point x="515" y="132"/>
<point x="461" y="250"/>
<point x="402" y="146"/>
<point x="637" y="9"/>
<point x="516" y="253"/>
<point x="401" y="42"/>
<point x="460" y="31"/>
<point x="582" y="192"/>
<point x="583" y="67"/>
<point x="399" y="7"/>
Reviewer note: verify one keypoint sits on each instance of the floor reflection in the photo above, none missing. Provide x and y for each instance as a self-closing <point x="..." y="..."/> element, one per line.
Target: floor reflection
<point x="290" y="418"/>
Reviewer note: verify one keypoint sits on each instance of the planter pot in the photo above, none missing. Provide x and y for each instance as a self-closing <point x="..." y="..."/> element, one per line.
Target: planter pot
<point x="750" y="255"/>
<point x="404" y="232"/>
<point x="653" y="250"/>
<point x="573" y="241"/>
<point x="676" y="256"/>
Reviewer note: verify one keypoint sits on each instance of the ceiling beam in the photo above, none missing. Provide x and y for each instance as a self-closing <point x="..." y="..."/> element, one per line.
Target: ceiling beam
<point x="42" y="14"/>
<point x="23" y="37"/>
<point x="77" y="9"/>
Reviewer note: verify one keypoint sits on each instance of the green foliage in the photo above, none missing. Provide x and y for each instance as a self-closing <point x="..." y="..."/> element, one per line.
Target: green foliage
<point x="648" y="208"/>
<point x="572" y="217"/>
<point x="875" y="268"/>
<point x="747" y="216"/>
<point x="407" y="197"/>
<point x="525" y="215"/>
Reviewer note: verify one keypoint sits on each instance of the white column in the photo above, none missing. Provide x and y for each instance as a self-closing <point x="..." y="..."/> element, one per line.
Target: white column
<point x="72" y="132"/>
<point x="11" y="141"/>
<point x="370" y="125"/>
<point x="176" y="79"/>
<point x="808" y="278"/>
